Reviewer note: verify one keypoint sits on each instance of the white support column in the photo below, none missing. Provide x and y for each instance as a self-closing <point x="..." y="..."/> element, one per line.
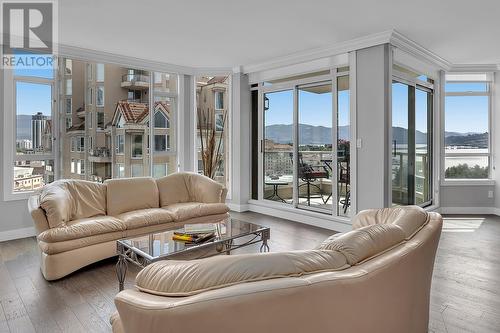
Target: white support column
<point x="373" y="127"/>
<point x="186" y="138"/>
<point x="240" y="122"/>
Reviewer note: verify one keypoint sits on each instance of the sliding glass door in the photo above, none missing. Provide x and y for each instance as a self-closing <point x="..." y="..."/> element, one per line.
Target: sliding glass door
<point x="277" y="146"/>
<point x="301" y="120"/>
<point x="315" y="151"/>
<point x="411" y="142"/>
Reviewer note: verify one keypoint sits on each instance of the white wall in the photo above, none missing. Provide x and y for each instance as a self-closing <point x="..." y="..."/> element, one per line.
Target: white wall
<point x="13" y="214"/>
<point x="496" y="139"/>
<point x="372" y="94"/>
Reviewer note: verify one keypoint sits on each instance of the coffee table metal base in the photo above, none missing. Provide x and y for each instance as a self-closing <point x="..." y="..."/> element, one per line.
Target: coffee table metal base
<point x="127" y="255"/>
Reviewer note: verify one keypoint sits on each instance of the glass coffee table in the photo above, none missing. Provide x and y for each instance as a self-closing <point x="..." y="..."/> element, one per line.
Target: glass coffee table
<point x="230" y="234"/>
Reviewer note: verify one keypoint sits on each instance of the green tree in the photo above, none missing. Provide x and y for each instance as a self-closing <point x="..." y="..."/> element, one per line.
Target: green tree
<point x="465" y="171"/>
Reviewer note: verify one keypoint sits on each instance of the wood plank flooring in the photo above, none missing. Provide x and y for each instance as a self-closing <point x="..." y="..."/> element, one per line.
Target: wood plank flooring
<point x="465" y="293"/>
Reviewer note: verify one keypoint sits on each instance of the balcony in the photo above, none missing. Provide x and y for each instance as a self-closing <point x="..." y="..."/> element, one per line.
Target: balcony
<point x="135" y="81"/>
<point x="315" y="172"/>
<point x="100" y="155"/>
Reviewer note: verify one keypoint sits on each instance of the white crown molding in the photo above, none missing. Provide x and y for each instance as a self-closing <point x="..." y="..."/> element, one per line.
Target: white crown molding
<point x="328" y="51"/>
<point x="405" y="44"/>
<point x="474" y="68"/>
<point x="79" y="53"/>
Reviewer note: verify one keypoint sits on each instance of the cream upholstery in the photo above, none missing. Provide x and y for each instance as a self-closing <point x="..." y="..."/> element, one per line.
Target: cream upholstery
<point x="188" y="210"/>
<point x="128" y="194"/>
<point x="409" y="218"/>
<point x="387" y="292"/>
<point x="78" y="222"/>
<point x="145" y="217"/>
<point x="67" y="200"/>
<point x="365" y="242"/>
<point x="189" y="187"/>
<point x="37" y="214"/>
<point x="184" y="278"/>
<point x="97" y="225"/>
<point x="173" y="189"/>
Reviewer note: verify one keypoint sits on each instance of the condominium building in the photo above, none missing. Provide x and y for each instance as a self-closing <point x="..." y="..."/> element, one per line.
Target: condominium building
<point x="40" y="126"/>
<point x="106" y="108"/>
<point x="212" y="120"/>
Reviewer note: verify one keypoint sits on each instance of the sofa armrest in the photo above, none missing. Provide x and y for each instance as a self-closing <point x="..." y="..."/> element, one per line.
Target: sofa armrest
<point x="206" y="190"/>
<point x="38" y="214"/>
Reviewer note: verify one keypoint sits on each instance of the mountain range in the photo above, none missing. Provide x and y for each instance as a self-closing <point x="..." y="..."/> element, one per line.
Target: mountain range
<point x="320" y="135"/>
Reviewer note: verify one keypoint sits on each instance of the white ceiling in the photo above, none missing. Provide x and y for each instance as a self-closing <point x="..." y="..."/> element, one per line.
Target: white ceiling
<point x="227" y="33"/>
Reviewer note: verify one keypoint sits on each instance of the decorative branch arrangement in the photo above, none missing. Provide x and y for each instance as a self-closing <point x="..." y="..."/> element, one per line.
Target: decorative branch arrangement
<point x="211" y="135"/>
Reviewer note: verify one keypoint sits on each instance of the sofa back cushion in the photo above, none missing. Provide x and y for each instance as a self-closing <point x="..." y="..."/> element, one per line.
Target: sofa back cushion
<point x="366" y="242"/>
<point x="128" y="194"/>
<point x="184" y="278"/>
<point x="173" y="189"/>
<point x="67" y="200"/>
<point x="410" y="218"/>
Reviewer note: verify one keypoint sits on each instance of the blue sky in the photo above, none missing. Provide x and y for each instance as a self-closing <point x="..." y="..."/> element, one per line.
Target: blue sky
<point x="464" y="114"/>
<point x="32" y="98"/>
<point x="314" y="109"/>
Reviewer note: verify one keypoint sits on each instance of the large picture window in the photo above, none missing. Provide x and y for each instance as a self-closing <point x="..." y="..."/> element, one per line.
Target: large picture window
<point x="106" y="111"/>
<point x="466" y="128"/>
<point x="212" y="127"/>
<point x="412" y="109"/>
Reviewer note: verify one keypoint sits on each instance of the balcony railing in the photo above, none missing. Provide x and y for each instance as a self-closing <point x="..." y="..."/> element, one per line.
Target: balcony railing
<point x="400" y="177"/>
<point x="135" y="78"/>
<point x="99" y="152"/>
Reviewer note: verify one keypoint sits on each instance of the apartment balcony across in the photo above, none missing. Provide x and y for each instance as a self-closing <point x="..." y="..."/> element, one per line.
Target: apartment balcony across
<point x="100" y="155"/>
<point x="135" y="81"/>
<point x="80" y="112"/>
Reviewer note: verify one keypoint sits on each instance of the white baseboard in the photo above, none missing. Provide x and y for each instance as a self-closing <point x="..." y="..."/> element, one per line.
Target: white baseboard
<point x="469" y="210"/>
<point x="17" y="234"/>
<point x="306" y="217"/>
<point x="237" y="208"/>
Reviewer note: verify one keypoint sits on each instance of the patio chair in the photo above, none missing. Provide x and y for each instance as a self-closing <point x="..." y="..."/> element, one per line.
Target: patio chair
<point x="309" y="174"/>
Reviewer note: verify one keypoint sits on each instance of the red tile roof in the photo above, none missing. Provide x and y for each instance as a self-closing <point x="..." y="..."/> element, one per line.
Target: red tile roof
<point x="135" y="113"/>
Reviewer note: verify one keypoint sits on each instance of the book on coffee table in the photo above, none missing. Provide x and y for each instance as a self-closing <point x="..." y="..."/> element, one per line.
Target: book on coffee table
<point x="199" y="228"/>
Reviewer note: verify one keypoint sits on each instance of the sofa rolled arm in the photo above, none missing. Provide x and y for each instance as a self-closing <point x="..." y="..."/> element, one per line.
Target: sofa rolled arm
<point x="37" y="214"/>
<point x="204" y="189"/>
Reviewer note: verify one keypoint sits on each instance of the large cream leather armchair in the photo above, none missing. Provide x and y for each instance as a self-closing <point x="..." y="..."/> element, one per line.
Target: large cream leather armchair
<point x="375" y="278"/>
<point x="78" y="222"/>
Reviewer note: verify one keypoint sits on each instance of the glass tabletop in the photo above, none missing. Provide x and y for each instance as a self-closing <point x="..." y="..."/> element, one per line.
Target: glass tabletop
<point x="160" y="244"/>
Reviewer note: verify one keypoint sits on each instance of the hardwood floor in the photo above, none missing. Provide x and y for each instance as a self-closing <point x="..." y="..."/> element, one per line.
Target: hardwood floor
<point x="465" y="293"/>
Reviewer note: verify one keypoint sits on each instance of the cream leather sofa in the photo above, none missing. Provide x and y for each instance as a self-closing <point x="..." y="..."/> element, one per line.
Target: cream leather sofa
<point x="78" y="222"/>
<point x="375" y="278"/>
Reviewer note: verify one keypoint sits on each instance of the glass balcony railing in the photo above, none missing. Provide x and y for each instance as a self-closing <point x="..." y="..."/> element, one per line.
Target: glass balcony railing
<point x="135" y="78"/>
<point x="400" y="177"/>
<point x="316" y="177"/>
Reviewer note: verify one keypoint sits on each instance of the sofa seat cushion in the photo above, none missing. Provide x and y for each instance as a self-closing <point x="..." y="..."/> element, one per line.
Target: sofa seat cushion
<point x="92" y="226"/>
<point x="73" y="244"/>
<point x="410" y="218"/>
<point x="129" y="194"/>
<point x="184" y="278"/>
<point x="66" y="200"/>
<point x="366" y="242"/>
<point x="187" y="210"/>
<point x="145" y="217"/>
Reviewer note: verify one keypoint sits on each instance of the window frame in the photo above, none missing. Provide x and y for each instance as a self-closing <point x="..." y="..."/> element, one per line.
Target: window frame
<point x="132" y="146"/>
<point x="179" y="95"/>
<point x="488" y="93"/>
<point x="100" y="87"/>
<point x="10" y="132"/>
